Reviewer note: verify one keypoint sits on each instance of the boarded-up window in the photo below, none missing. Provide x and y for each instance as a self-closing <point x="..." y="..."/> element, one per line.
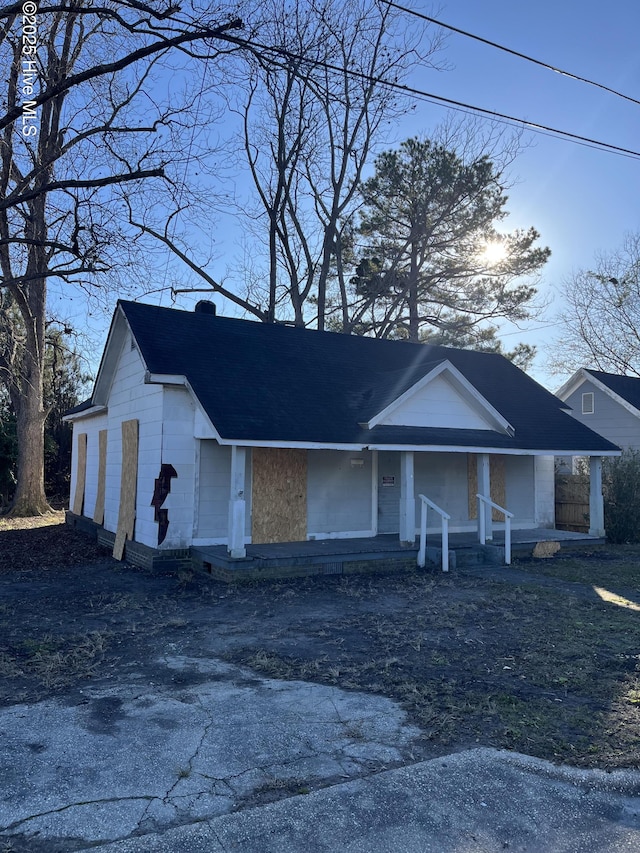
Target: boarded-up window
<point x="81" y="474"/>
<point x="128" y="486"/>
<point x="279" y="495"/>
<point x="497" y="481"/>
<point x="98" y="512"/>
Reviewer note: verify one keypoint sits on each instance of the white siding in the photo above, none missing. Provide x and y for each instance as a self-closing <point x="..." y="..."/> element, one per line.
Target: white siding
<point x="443" y="478"/>
<point x="545" y="497"/>
<point x="214" y="486"/>
<point x="339" y="494"/>
<point x="438" y="404"/>
<point x="520" y="495"/>
<point x="91" y="426"/>
<point x="131" y="399"/>
<point x="179" y="450"/>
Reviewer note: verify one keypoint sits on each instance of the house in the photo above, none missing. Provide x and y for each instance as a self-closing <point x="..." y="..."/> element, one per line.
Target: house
<point x="607" y="403"/>
<point x="204" y="430"/>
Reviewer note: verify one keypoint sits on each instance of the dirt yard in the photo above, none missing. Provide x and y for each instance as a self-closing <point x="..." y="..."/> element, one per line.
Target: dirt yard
<point x="542" y="658"/>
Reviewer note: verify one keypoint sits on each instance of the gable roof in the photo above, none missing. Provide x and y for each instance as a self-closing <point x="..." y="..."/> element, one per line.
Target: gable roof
<point x="623" y="389"/>
<point x="486" y="416"/>
<point x="626" y="387"/>
<point x="263" y="383"/>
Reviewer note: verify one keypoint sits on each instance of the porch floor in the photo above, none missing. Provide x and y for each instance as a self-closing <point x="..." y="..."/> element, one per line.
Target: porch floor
<point x="338" y="556"/>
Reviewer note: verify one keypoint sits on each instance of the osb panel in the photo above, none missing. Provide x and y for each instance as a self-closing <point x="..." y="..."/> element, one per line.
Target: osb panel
<point x="497" y="481"/>
<point x="279" y="495"/>
<point x="128" y="486"/>
<point x="98" y="512"/>
<point x="81" y="475"/>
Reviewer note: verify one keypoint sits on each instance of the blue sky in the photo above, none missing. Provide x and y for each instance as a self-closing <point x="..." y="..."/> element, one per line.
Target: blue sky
<point x="582" y="200"/>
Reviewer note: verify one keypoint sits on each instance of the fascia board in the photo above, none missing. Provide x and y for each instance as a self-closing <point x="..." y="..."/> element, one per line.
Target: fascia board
<point x="300" y="445"/>
<point x="111" y="354"/>
<point x="208" y="429"/>
<point x="502" y="451"/>
<point x="86" y="413"/>
<point x="468" y="391"/>
<point x="572" y="384"/>
<point x="165" y="379"/>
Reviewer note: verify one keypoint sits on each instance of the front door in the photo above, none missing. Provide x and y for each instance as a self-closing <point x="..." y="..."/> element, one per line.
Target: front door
<point x="388" y="492"/>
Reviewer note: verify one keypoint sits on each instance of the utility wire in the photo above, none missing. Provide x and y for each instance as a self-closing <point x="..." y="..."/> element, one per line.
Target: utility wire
<point x="429" y="96"/>
<point x="539" y="62"/>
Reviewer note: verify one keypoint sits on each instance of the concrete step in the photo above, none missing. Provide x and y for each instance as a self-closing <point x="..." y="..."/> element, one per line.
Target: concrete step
<point x="471" y="555"/>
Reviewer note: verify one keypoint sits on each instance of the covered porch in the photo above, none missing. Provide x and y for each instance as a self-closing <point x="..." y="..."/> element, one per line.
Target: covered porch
<point x="380" y="500"/>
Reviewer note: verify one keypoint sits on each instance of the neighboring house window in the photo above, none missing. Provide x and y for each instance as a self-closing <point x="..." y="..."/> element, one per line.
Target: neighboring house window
<point x="587" y="403"/>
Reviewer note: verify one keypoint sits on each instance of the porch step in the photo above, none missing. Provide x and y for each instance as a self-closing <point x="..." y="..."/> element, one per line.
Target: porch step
<point x="471" y="555"/>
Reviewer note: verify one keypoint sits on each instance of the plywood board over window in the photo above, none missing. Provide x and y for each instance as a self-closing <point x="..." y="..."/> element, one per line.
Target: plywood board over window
<point x="497" y="480"/>
<point x="98" y="512"/>
<point x="279" y="495"/>
<point x="128" y="487"/>
<point x="81" y="474"/>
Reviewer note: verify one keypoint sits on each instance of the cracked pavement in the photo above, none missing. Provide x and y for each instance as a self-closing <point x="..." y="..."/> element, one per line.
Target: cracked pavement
<point x="108" y="763"/>
<point x="217" y="759"/>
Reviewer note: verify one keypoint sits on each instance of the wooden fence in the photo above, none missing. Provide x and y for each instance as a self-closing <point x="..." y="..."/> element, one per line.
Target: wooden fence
<point x="572" y="502"/>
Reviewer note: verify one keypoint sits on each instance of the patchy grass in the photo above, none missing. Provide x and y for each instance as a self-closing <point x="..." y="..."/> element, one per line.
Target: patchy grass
<point x="49" y="519"/>
<point x="549" y="671"/>
<point x="547" y="663"/>
<point x="604" y="566"/>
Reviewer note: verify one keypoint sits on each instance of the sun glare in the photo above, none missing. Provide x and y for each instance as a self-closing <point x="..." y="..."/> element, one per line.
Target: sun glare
<point x="494" y="252"/>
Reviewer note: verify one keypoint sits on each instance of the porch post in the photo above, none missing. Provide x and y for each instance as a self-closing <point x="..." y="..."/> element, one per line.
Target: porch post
<point x="596" y="500"/>
<point x="484" y="488"/>
<point x="407" y="499"/>
<point x="237" y="505"/>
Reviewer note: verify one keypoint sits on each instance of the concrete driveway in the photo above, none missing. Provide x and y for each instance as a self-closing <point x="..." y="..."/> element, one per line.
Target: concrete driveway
<point x="225" y="760"/>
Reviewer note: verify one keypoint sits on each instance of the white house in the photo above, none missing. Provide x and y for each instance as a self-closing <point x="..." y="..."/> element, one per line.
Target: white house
<point x="204" y="430"/>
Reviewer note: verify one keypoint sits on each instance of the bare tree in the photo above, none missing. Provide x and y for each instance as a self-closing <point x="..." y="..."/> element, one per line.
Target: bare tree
<point x="83" y="134"/>
<point x="315" y="105"/>
<point x="601" y="320"/>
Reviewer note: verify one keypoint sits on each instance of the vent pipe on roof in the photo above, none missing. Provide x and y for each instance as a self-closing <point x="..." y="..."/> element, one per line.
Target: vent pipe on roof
<point x="205" y="307"/>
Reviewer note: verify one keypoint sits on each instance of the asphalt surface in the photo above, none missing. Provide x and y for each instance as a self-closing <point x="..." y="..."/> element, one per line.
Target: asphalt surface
<point x="233" y="761"/>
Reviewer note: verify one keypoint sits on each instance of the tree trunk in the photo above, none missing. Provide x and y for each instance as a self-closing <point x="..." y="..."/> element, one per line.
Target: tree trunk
<point x="30" y="498"/>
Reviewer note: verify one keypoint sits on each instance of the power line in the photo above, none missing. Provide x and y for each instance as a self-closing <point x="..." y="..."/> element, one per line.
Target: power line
<point x="509" y="50"/>
<point x="450" y="102"/>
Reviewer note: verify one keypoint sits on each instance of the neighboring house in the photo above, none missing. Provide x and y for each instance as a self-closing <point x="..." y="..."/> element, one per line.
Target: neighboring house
<point x="607" y="403"/>
<point x="205" y="430"/>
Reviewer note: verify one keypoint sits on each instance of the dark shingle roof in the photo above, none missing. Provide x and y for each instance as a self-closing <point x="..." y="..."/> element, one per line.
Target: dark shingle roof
<point x="627" y="387"/>
<point x="266" y="382"/>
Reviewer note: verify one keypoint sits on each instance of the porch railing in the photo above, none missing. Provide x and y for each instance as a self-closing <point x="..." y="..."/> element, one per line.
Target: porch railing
<point x="483" y="502"/>
<point x="422" y="552"/>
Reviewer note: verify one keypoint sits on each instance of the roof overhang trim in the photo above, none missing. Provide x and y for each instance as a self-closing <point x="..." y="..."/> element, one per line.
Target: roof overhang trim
<point x="91" y="412"/>
<point x="583" y="375"/>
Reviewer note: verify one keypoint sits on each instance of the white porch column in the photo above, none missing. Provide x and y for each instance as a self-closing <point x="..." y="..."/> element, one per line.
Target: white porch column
<point x="596" y="500"/>
<point x="407" y="499"/>
<point x="484" y="488"/>
<point x="237" y="505"/>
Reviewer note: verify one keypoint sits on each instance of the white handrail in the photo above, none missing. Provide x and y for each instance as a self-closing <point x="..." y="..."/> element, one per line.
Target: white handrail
<point x="482" y="531"/>
<point x="422" y="553"/>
